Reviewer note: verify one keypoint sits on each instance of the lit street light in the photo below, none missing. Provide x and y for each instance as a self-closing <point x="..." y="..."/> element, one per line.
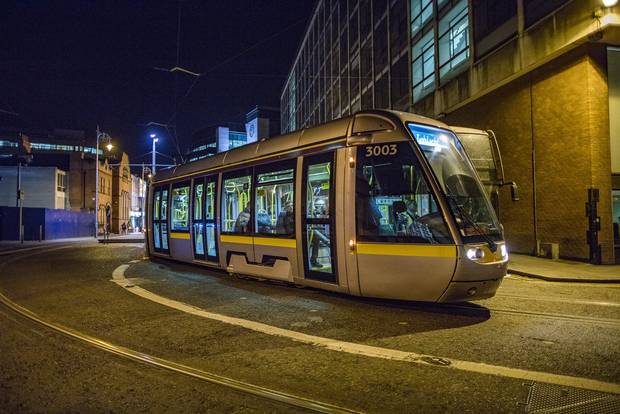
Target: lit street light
<point x="155" y="140"/>
<point x="109" y="147"/>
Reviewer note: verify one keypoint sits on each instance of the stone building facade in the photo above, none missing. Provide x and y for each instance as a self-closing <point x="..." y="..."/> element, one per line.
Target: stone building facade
<point x="544" y="75"/>
<point x="121" y="194"/>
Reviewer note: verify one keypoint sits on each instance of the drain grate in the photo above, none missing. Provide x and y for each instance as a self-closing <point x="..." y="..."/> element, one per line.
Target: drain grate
<point x="547" y="398"/>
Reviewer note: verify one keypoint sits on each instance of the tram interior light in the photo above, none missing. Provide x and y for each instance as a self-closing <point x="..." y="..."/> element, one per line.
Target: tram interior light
<point x="610" y="3"/>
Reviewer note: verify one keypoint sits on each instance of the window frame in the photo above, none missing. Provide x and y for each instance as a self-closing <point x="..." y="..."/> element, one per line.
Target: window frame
<point x="424" y="47"/>
<point x="244" y="172"/>
<point x="417" y="163"/>
<point x="171" y="208"/>
<point x="289" y="164"/>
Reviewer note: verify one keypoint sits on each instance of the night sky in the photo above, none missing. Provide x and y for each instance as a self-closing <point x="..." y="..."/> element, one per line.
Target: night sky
<point x="78" y="63"/>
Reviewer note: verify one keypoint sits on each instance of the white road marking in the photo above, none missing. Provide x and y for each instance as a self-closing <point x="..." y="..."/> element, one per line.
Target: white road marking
<point x="118" y="276"/>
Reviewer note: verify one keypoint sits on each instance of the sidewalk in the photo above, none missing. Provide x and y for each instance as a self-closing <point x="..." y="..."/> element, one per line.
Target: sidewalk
<point x="10" y="246"/>
<point x="124" y="238"/>
<point x="562" y="270"/>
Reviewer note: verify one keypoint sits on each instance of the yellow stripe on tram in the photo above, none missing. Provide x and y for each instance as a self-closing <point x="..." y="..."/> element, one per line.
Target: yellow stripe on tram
<point x="261" y="241"/>
<point x="236" y="239"/>
<point x="421" y="250"/>
<point x="268" y="241"/>
<point x="182" y="236"/>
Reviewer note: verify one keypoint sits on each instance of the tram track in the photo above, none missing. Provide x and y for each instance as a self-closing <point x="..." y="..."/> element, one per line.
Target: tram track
<point x="615" y="323"/>
<point x="284" y="398"/>
<point x="295" y="401"/>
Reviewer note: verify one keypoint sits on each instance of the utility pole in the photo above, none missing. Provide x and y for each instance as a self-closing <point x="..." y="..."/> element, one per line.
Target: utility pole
<point x="97" y="186"/>
<point x="24" y="142"/>
<point x="18" y="201"/>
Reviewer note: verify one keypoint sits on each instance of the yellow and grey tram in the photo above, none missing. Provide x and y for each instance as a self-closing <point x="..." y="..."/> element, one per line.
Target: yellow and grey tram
<point x="380" y="204"/>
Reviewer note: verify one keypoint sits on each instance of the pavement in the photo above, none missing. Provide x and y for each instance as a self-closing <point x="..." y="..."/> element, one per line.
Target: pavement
<point x="123" y="238"/>
<point x="562" y="270"/>
<point x="9" y="246"/>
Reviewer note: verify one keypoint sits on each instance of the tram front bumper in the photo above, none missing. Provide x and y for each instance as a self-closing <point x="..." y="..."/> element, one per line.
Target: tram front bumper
<point x="467" y="291"/>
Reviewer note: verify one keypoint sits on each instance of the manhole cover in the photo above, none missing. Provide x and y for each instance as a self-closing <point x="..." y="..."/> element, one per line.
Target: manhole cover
<point x="547" y="398"/>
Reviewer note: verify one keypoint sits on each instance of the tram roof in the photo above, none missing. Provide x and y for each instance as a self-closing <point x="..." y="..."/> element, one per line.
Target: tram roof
<point x="320" y="134"/>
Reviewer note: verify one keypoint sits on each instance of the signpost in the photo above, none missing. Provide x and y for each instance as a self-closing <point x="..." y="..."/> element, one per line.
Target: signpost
<point x="26" y="157"/>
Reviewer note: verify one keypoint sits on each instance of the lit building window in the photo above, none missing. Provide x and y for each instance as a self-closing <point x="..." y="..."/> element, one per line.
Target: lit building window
<point x="453" y="47"/>
<point x="423" y="67"/>
<point x="421" y="12"/>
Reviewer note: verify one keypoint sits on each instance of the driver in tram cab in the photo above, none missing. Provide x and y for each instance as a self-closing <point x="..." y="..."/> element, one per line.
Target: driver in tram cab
<point x="409" y="221"/>
<point x="317" y="236"/>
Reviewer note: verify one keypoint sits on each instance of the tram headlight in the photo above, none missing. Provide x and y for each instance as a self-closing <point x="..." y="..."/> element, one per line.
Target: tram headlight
<point x="503" y="250"/>
<point x="475" y="253"/>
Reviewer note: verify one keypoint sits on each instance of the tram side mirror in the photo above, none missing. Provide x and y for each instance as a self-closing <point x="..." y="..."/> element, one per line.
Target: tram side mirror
<point x="514" y="191"/>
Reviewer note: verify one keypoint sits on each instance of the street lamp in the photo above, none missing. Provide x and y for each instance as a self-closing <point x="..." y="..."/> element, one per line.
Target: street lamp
<point x="155" y="140"/>
<point x="109" y="147"/>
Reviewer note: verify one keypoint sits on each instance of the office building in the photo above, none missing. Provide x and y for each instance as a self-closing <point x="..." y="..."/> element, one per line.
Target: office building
<point x="544" y="75"/>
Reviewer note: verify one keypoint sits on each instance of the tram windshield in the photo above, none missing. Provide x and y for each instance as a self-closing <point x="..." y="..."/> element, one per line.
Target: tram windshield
<point x="466" y="197"/>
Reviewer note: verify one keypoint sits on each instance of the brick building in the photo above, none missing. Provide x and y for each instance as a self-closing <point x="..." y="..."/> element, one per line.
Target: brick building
<point x="544" y="75"/>
<point x="121" y="194"/>
<point x="82" y="186"/>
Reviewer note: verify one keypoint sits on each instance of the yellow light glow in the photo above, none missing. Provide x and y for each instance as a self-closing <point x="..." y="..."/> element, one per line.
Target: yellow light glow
<point x="109" y="147"/>
<point x="610" y="3"/>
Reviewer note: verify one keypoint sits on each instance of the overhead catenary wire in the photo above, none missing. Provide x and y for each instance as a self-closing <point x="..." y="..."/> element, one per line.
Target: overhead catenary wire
<point x="197" y="76"/>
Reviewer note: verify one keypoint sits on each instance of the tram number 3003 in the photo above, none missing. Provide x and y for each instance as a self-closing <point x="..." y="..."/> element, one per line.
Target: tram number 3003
<point x="378" y="150"/>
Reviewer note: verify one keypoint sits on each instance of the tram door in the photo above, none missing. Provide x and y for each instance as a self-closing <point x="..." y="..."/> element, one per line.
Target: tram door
<point x="204" y="242"/>
<point x="318" y="218"/>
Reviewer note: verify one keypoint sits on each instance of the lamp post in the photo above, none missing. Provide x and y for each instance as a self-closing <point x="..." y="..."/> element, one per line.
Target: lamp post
<point x="109" y="147"/>
<point x="155" y="140"/>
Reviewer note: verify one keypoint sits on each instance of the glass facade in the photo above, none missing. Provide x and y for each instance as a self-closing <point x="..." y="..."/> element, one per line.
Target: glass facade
<point x="351" y="58"/>
<point x="365" y="54"/>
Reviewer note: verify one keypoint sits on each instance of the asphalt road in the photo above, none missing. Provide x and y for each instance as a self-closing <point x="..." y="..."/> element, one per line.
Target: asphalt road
<point x="532" y="327"/>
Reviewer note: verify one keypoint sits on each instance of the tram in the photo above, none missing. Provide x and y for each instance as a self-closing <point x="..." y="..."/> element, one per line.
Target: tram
<point x="381" y="204"/>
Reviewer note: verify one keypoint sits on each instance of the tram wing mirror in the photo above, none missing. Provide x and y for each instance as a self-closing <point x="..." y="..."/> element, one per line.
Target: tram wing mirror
<point x="359" y="139"/>
<point x="514" y="190"/>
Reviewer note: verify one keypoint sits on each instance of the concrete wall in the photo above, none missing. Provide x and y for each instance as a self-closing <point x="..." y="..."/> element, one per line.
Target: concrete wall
<point x="553" y="132"/>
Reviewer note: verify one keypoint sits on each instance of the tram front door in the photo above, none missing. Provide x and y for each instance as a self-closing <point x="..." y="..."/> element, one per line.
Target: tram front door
<point x="317" y="218"/>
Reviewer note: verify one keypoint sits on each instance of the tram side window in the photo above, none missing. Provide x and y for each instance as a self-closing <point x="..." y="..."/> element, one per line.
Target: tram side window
<point x="180" y="208"/>
<point x="236" y="206"/>
<point x="274" y="203"/>
<point x="393" y="200"/>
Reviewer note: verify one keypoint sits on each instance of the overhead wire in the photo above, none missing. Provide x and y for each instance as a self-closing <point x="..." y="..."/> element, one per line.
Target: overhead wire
<point x="178" y="102"/>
